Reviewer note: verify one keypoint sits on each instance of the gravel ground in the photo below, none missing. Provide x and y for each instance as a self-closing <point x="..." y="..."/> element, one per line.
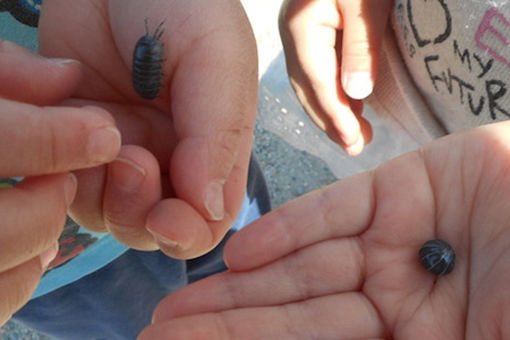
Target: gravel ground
<point x="295" y="156"/>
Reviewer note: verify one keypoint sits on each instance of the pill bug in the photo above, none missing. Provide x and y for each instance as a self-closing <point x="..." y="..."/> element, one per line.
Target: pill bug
<point x="147" y="63"/>
<point x="437" y="256"/>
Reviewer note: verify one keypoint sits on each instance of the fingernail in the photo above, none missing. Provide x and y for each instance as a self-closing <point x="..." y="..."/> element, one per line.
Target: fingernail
<point x="103" y="144"/>
<point x="358" y="85"/>
<point x="62" y="61"/>
<point x="70" y="188"/>
<point x="166" y="242"/>
<point x="49" y="255"/>
<point x="126" y="175"/>
<point x="213" y="201"/>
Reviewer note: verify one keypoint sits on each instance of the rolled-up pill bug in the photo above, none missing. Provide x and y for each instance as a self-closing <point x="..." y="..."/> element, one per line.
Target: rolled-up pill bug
<point x="438" y="257"/>
<point x="147" y="63"/>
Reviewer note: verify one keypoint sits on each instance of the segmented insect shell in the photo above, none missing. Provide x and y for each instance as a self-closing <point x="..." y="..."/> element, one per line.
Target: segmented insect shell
<point x="147" y="64"/>
<point x="438" y="257"/>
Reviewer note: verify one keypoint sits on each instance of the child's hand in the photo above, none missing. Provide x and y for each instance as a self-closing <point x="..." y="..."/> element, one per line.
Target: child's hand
<point x="42" y="143"/>
<point x="331" y="48"/>
<point x="342" y="262"/>
<point x="179" y="181"/>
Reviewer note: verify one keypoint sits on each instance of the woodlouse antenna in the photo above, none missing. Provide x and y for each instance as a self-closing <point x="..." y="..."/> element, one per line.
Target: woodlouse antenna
<point x="146" y="26"/>
<point x="159" y="31"/>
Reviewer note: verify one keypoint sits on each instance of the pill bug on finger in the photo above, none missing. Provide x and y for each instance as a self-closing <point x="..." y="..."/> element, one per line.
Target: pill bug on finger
<point x="147" y="63"/>
<point x="437" y="256"/>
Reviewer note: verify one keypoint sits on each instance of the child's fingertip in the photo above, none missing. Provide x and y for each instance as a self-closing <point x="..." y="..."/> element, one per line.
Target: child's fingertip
<point x="358" y="85"/>
<point x="356" y="148"/>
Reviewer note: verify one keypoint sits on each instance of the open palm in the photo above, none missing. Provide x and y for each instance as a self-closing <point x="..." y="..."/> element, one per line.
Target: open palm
<point x="342" y="262"/>
<point x="192" y="143"/>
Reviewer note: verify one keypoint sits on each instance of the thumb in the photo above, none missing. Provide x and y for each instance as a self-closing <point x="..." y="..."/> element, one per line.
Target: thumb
<point x="364" y="25"/>
<point x="204" y="180"/>
<point x="213" y="91"/>
<point x="214" y="108"/>
<point x="200" y="168"/>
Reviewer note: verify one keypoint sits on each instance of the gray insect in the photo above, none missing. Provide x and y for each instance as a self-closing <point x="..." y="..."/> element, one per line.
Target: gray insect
<point x="147" y="63"/>
<point x="438" y="257"/>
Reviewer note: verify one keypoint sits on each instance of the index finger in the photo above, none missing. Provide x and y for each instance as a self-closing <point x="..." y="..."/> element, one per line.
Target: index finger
<point x="310" y="33"/>
<point x="30" y="78"/>
<point x="364" y="26"/>
<point x="43" y="140"/>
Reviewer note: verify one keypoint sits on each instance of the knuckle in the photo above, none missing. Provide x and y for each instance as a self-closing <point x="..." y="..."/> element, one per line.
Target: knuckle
<point x="360" y="49"/>
<point x="52" y="142"/>
<point x="228" y="141"/>
<point x="48" y="144"/>
<point x="61" y="145"/>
